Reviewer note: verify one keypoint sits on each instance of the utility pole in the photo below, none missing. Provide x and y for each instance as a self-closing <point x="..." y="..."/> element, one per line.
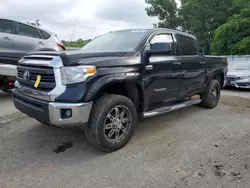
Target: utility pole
<point x="73" y="31"/>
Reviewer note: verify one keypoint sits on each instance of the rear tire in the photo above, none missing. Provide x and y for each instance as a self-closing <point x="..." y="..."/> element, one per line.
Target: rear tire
<point x="111" y="123"/>
<point x="211" y="96"/>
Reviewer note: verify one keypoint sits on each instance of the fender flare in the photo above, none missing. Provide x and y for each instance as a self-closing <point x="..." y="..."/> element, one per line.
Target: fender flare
<point x="215" y="72"/>
<point x="102" y="83"/>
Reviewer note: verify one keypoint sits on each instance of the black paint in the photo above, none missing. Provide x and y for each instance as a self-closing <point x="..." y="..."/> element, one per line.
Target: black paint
<point x="162" y="78"/>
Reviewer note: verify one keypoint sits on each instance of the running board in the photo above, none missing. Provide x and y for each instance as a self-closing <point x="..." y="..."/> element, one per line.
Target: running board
<point x="166" y="109"/>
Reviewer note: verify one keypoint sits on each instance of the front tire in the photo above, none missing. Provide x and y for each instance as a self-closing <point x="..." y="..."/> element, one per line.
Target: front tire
<point x="111" y="123"/>
<point x="211" y="96"/>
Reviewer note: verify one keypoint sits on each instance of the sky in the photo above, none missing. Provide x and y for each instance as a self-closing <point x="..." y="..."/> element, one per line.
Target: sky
<point x="91" y="17"/>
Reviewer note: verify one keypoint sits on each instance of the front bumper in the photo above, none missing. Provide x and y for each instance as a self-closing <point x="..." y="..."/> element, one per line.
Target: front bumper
<point x="244" y="83"/>
<point x="52" y="113"/>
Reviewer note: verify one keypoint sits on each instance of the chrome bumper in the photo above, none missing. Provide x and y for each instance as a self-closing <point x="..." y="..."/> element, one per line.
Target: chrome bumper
<point x="80" y="114"/>
<point x="50" y="112"/>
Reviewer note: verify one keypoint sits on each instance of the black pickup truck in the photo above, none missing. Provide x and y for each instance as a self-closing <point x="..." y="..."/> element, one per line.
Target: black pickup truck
<point x="115" y="79"/>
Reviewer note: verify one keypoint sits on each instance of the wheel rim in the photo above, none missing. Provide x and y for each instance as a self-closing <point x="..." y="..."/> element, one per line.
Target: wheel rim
<point x="117" y="124"/>
<point x="214" y="96"/>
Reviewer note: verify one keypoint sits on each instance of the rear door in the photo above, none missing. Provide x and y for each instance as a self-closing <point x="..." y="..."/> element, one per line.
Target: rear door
<point x="6" y="40"/>
<point x="193" y="66"/>
<point x="162" y="73"/>
<point x="27" y="39"/>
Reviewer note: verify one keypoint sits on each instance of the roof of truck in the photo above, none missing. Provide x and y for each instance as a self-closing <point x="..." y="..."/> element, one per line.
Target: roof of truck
<point x="174" y="31"/>
<point x="151" y="30"/>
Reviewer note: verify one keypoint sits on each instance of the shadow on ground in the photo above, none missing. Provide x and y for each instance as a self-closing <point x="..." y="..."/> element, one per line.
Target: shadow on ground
<point x="228" y="88"/>
<point x="4" y="96"/>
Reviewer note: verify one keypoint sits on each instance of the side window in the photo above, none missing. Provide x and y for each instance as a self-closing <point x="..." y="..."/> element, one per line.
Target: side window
<point x="27" y="31"/>
<point x="6" y="26"/>
<point x="45" y="34"/>
<point x="187" y="45"/>
<point x="163" y="38"/>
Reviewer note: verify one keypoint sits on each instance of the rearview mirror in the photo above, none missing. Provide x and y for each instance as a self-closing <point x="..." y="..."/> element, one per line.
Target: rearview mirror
<point x="159" y="47"/>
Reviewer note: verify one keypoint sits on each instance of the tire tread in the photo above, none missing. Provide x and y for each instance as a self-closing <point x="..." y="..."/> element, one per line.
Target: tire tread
<point x="98" y="108"/>
<point x="205" y="96"/>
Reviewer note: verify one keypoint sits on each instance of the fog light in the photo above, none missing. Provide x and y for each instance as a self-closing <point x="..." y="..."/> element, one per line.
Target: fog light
<point x="66" y="113"/>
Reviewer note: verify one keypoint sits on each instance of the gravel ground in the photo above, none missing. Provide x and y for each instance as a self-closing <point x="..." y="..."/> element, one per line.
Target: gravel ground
<point x="6" y="105"/>
<point x="236" y="92"/>
<point x="192" y="147"/>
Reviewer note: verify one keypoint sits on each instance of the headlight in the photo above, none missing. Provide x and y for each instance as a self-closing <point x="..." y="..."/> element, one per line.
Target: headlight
<point x="244" y="77"/>
<point x="77" y="74"/>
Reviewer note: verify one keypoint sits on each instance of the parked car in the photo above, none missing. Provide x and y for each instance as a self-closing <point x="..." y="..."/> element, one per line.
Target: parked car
<point x="116" y="78"/>
<point x="17" y="39"/>
<point x="239" y="75"/>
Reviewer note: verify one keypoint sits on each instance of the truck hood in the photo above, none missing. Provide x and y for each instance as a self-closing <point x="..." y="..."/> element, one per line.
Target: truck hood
<point x="98" y="59"/>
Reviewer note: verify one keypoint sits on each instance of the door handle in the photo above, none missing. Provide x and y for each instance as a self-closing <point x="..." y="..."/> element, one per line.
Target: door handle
<point x="177" y="64"/>
<point x="41" y="43"/>
<point x="7" y="39"/>
<point x="203" y="63"/>
<point x="149" y="67"/>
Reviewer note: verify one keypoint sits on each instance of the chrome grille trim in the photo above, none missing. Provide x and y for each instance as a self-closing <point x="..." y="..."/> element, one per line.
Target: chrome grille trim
<point x="56" y="64"/>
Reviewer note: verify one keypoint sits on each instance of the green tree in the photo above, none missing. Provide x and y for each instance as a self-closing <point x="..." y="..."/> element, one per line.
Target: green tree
<point x="35" y="23"/>
<point x="78" y="44"/>
<point x="234" y="36"/>
<point x="166" y="11"/>
<point x="198" y="17"/>
<point x="238" y="5"/>
<point x="203" y="17"/>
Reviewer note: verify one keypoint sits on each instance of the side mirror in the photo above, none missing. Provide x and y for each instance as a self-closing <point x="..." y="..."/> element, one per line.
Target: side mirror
<point x="159" y="47"/>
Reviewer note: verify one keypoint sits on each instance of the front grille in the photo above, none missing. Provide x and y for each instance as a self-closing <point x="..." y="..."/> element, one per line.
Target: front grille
<point x="243" y="84"/>
<point x="47" y="82"/>
<point x="232" y="78"/>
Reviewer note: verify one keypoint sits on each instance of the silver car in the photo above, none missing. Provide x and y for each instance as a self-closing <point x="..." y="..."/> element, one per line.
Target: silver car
<point x="17" y="39"/>
<point x="239" y="75"/>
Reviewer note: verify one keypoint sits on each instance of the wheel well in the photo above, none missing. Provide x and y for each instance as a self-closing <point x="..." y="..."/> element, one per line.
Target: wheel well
<point x="129" y="90"/>
<point x="219" y="77"/>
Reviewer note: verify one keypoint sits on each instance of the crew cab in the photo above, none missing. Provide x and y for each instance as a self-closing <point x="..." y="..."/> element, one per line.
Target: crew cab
<point x="115" y="79"/>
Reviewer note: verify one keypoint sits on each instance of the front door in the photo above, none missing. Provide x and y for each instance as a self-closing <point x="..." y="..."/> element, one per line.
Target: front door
<point x="162" y="74"/>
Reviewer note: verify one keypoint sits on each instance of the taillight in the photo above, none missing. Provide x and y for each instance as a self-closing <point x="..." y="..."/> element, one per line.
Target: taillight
<point x="225" y="60"/>
<point x="61" y="46"/>
<point x="10" y="84"/>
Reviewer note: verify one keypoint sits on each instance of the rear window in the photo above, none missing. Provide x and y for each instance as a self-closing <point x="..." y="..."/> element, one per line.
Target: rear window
<point x="45" y="34"/>
<point x="187" y="45"/>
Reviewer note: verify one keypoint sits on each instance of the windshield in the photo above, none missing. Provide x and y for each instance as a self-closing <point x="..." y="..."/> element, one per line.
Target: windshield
<point x="118" y="41"/>
<point x="239" y="66"/>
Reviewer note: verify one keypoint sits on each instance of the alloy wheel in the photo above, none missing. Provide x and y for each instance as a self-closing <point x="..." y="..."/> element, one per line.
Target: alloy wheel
<point x="117" y="124"/>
